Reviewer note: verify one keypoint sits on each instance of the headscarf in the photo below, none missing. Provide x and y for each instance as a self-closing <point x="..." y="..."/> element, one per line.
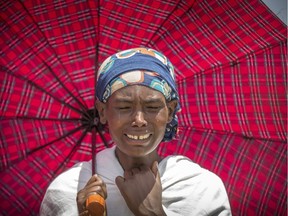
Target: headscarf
<point x="141" y="66"/>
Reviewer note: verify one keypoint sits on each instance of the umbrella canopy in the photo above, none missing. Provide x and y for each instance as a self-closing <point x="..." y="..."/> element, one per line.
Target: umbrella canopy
<point x="229" y="59"/>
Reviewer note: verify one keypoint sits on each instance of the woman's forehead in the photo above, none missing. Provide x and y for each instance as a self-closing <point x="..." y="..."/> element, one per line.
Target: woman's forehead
<point x="138" y="91"/>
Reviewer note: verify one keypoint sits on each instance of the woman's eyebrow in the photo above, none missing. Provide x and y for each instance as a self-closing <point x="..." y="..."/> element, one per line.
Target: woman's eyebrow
<point x="130" y="100"/>
<point x="153" y="100"/>
<point x="123" y="100"/>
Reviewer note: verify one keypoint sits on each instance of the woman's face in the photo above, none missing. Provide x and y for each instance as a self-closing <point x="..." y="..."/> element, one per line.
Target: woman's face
<point x="137" y="117"/>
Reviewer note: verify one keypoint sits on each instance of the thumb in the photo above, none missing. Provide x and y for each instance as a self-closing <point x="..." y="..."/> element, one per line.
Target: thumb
<point x="119" y="182"/>
<point x="92" y="179"/>
<point x="155" y="170"/>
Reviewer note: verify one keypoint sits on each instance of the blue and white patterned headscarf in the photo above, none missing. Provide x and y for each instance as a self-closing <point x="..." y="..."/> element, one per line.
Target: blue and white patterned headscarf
<point x="139" y="66"/>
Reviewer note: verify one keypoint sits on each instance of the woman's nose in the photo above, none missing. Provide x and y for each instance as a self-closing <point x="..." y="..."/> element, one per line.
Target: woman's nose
<point x="139" y="119"/>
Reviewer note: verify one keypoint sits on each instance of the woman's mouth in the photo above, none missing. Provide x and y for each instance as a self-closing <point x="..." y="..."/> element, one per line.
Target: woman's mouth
<point x="138" y="137"/>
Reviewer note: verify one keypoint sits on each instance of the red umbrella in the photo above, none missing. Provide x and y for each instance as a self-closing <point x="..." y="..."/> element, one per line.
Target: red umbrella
<point x="229" y="59"/>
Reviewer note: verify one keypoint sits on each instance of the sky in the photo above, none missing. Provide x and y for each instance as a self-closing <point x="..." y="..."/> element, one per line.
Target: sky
<point x="279" y="7"/>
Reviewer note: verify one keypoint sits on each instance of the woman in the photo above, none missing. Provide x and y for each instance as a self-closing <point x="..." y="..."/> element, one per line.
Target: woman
<point x="138" y="100"/>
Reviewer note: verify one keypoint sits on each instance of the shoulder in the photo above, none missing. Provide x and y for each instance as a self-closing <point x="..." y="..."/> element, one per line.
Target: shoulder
<point x="106" y="154"/>
<point x="80" y="173"/>
<point x="190" y="189"/>
<point x="59" y="198"/>
<point x="180" y="165"/>
<point x="175" y="168"/>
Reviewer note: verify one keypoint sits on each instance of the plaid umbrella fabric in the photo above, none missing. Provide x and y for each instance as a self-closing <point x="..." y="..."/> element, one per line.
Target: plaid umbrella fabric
<point x="229" y="59"/>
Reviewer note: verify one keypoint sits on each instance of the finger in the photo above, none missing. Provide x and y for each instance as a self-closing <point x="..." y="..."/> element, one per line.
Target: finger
<point x="144" y="168"/>
<point x="96" y="180"/>
<point x="81" y="195"/>
<point x="96" y="183"/>
<point x="128" y="174"/>
<point x="155" y="169"/>
<point x="93" y="179"/>
<point x="104" y="188"/>
<point x="95" y="187"/>
<point x="120" y="182"/>
<point x="80" y="199"/>
<point x="135" y="171"/>
<point x="94" y="190"/>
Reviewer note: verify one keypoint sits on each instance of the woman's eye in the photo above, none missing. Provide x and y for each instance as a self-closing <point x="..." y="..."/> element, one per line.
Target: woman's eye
<point x="154" y="107"/>
<point x="123" y="108"/>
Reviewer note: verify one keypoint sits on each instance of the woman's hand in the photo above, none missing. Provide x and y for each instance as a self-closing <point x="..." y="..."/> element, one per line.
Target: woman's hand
<point x="142" y="190"/>
<point x="95" y="185"/>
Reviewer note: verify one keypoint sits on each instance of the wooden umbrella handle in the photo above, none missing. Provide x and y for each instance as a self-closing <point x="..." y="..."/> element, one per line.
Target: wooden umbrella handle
<point x="95" y="204"/>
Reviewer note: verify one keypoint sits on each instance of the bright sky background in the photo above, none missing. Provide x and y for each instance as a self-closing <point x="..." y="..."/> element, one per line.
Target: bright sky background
<point x="279" y="7"/>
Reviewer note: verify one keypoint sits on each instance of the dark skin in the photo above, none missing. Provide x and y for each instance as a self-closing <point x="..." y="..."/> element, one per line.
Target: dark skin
<point x="137" y="117"/>
<point x="95" y="185"/>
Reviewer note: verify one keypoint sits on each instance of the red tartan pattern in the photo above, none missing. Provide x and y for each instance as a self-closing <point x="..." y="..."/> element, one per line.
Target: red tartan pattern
<point x="254" y="171"/>
<point x="230" y="64"/>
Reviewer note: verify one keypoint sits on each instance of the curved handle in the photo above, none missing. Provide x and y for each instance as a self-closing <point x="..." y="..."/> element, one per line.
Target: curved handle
<point x="95" y="204"/>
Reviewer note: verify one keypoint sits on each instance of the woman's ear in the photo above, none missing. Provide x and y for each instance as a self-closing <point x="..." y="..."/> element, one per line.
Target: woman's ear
<point x="101" y="107"/>
<point x="171" y="108"/>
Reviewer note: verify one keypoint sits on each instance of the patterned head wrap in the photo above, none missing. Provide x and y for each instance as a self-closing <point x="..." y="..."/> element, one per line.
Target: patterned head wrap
<point x="139" y="66"/>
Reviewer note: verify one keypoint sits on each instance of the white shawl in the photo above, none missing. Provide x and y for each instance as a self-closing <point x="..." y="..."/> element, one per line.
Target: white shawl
<point x="187" y="188"/>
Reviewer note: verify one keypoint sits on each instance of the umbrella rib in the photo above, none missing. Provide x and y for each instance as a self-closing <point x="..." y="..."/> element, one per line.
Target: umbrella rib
<point x="163" y="23"/>
<point x="96" y="129"/>
<point x="41" y="89"/>
<point x="38" y="118"/>
<point x="102" y="137"/>
<point x="96" y="72"/>
<point x="50" y="69"/>
<point x="60" y="82"/>
<point x="97" y="50"/>
<point x="53" y="141"/>
<point x="93" y="149"/>
<point x="230" y="133"/>
<point x="233" y="63"/>
<point x="72" y="151"/>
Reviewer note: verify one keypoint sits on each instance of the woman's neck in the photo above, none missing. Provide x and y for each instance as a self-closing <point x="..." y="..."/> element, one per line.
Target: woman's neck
<point x="128" y="162"/>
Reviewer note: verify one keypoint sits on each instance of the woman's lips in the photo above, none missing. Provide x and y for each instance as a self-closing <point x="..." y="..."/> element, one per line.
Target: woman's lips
<point x="138" y="137"/>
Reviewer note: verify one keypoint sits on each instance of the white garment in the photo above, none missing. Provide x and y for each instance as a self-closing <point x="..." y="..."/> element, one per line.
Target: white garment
<point x="187" y="189"/>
